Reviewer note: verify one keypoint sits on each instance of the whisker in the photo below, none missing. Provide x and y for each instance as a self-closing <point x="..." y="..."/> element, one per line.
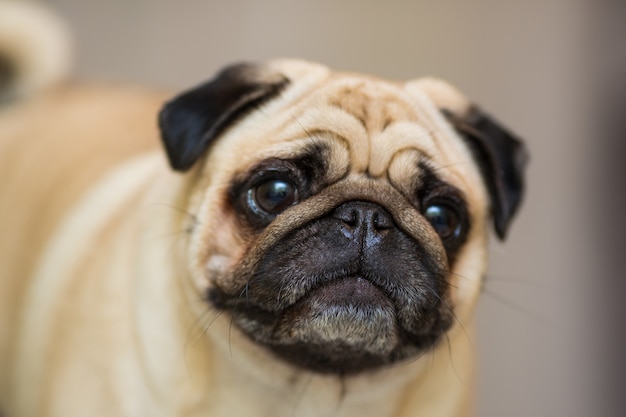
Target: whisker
<point x="516" y="307"/>
<point x="452" y="361"/>
<point x="169" y="235"/>
<point x="191" y="216"/>
<point x="451" y="311"/>
<point x="308" y="134"/>
<point x="197" y="330"/>
<point x="230" y="329"/>
<point x="456" y="274"/>
<point x="446" y="282"/>
<point x="200" y="326"/>
<point x="343" y="393"/>
<point x="452" y="164"/>
<point x="503" y="300"/>
<point x="511" y="280"/>
<point x="245" y="292"/>
<point x="300" y="395"/>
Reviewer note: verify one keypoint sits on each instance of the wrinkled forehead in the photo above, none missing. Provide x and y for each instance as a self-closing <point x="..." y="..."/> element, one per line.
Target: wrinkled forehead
<point x="377" y="121"/>
<point x="369" y="126"/>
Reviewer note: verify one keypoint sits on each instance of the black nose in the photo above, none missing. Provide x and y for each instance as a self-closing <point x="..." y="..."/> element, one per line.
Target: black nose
<point x="363" y="222"/>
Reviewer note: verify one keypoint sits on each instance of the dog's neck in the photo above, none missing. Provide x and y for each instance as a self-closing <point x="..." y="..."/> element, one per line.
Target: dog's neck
<point x="306" y="395"/>
<point x="246" y="382"/>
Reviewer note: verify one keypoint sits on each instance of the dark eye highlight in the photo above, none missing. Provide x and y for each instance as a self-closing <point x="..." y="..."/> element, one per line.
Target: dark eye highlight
<point x="444" y="219"/>
<point x="272" y="196"/>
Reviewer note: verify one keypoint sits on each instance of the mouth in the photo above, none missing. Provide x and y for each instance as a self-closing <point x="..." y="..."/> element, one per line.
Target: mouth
<point x="348" y="292"/>
<point x="351" y="311"/>
<point x="346" y="326"/>
<point x="350" y="319"/>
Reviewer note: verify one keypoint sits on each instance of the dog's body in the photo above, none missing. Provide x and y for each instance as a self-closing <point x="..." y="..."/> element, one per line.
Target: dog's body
<point x="321" y="254"/>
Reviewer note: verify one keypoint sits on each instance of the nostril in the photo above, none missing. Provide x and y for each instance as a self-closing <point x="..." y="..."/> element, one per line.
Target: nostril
<point x="382" y="221"/>
<point x="364" y="216"/>
<point x="348" y="217"/>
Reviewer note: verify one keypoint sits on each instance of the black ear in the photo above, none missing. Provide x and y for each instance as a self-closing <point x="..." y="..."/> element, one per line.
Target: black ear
<point x="502" y="159"/>
<point x="192" y="120"/>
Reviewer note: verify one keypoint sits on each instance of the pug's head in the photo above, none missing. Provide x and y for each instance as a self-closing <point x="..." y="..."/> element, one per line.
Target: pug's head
<point x="342" y="219"/>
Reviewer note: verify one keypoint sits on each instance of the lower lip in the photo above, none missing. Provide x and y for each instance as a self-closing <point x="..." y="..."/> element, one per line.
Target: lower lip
<point x="349" y="291"/>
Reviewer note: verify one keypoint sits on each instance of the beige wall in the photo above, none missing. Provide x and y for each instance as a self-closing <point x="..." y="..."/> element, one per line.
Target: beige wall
<point x="528" y="62"/>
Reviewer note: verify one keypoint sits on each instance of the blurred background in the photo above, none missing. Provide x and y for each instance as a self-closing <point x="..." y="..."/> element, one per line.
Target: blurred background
<point x="549" y="321"/>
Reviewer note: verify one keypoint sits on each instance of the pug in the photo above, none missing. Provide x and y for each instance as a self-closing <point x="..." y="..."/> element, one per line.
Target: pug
<point x="310" y="243"/>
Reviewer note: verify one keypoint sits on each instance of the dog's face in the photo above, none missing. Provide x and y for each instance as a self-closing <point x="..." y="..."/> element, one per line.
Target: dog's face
<point x="341" y="219"/>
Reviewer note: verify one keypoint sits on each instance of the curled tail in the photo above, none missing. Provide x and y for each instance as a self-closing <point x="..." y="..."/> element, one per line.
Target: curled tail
<point x="35" y="49"/>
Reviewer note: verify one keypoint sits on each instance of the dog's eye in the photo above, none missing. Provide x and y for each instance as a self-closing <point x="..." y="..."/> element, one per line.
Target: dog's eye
<point x="272" y="196"/>
<point x="444" y="219"/>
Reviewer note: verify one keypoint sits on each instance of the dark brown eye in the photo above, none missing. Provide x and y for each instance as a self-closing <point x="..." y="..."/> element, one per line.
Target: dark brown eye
<point x="272" y="196"/>
<point x="445" y="220"/>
